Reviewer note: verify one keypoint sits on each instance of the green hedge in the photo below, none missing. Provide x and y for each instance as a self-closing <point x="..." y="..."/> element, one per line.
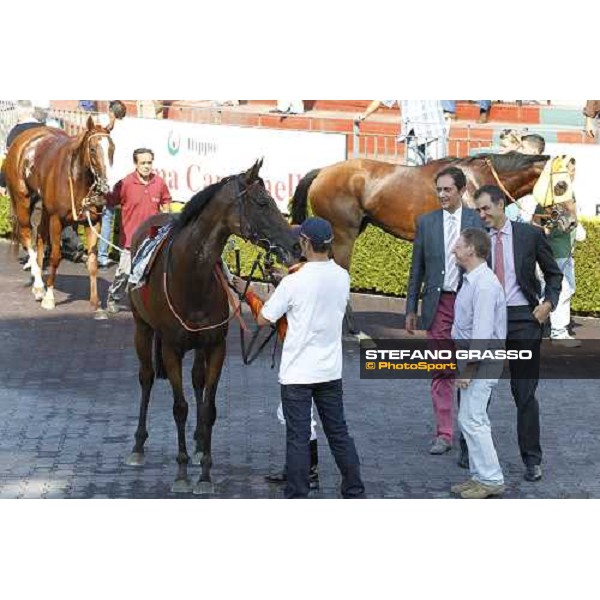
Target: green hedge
<point x="381" y="263"/>
<point x="5" y="223"/>
<point x="587" y="270"/>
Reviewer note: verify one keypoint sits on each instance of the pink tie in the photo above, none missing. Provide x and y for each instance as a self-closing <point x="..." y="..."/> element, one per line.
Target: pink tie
<point x="499" y="258"/>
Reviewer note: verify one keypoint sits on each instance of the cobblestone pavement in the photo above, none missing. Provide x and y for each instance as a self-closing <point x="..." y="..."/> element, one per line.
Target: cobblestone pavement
<point x="69" y="401"/>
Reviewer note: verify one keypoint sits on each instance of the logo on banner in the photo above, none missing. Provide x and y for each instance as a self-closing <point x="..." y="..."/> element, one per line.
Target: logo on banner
<point x="173" y="143"/>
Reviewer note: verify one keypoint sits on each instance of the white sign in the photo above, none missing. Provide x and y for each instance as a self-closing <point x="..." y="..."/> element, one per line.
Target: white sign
<point x="587" y="174"/>
<point x="191" y="156"/>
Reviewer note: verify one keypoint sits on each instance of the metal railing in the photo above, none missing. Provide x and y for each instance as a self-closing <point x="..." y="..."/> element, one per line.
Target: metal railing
<point x="389" y="148"/>
<point x="8" y="119"/>
<point x="384" y="147"/>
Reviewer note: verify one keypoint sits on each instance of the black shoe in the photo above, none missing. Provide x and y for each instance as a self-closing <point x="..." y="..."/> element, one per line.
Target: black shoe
<point x="280" y="477"/>
<point x="533" y="472"/>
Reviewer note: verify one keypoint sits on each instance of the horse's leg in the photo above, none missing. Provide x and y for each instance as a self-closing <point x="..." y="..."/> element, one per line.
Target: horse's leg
<point x="172" y="362"/>
<point x="42" y="236"/>
<point x="342" y="250"/>
<point x="23" y="214"/>
<point x="144" y="337"/>
<point x="208" y="414"/>
<point x="92" y="263"/>
<point x="198" y="380"/>
<point x="55" y="227"/>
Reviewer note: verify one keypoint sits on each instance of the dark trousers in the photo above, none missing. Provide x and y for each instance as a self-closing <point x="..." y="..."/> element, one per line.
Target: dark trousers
<point x="296" y="400"/>
<point x="525" y="333"/>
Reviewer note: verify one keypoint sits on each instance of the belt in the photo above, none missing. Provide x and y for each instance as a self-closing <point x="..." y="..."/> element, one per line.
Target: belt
<point x="451" y="293"/>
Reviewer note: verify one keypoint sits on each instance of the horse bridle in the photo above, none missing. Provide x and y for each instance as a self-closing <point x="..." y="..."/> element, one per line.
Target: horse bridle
<point x="251" y="235"/>
<point x="90" y="200"/>
<point x="89" y="156"/>
<point x="555" y="213"/>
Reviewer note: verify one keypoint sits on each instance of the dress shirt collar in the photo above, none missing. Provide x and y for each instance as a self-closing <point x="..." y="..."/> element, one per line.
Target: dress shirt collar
<point x="477" y="272"/>
<point x="505" y="229"/>
<point x="457" y="214"/>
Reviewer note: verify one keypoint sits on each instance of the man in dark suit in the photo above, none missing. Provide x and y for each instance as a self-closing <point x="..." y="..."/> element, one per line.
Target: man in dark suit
<point x="516" y="248"/>
<point x="434" y="272"/>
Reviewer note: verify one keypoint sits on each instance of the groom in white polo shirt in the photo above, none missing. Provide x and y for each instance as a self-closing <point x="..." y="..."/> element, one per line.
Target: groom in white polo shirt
<point x="314" y="301"/>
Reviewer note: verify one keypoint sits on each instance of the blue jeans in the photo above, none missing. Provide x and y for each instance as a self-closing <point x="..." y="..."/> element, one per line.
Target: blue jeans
<point x="450" y="105"/>
<point x="108" y="219"/>
<point x="297" y="401"/>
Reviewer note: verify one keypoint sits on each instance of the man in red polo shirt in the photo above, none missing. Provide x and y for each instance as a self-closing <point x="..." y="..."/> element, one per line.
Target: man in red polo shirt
<point x="141" y="194"/>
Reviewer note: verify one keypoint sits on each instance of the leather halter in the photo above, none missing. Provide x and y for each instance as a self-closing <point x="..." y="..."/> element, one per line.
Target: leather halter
<point x="92" y="193"/>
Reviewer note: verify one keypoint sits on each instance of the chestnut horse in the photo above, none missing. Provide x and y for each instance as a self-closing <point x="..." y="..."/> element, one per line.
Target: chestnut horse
<point x="354" y="193"/>
<point x="69" y="177"/>
<point x="184" y="304"/>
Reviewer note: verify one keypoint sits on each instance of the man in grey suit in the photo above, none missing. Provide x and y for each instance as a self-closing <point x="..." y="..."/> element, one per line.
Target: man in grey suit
<point x="516" y="248"/>
<point x="435" y="274"/>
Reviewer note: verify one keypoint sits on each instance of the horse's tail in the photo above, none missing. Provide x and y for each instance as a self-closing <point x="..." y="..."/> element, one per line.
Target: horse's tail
<point x="299" y="204"/>
<point x="159" y="366"/>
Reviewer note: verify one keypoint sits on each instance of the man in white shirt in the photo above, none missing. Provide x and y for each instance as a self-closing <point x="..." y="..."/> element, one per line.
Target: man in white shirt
<point x="314" y="301"/>
<point x="479" y="324"/>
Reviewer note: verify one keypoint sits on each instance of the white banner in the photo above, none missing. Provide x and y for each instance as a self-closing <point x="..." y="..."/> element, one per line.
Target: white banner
<point x="587" y="174"/>
<point x="190" y="156"/>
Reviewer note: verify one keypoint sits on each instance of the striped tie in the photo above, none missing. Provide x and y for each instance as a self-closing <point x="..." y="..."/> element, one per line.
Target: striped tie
<point x="451" y="268"/>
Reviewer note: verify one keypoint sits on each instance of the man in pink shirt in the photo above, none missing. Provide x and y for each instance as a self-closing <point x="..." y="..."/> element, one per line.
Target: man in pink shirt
<point x="141" y="194"/>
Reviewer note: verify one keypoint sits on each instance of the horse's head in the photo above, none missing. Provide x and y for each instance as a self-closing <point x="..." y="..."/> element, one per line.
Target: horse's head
<point x="258" y="219"/>
<point x="98" y="151"/>
<point x="554" y="194"/>
<point x="515" y="173"/>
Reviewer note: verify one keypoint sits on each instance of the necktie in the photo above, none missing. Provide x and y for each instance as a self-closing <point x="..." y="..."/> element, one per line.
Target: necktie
<point x="499" y="258"/>
<point x="451" y="268"/>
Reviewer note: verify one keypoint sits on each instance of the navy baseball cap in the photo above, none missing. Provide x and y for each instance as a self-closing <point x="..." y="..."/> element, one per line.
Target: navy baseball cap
<point x="317" y="230"/>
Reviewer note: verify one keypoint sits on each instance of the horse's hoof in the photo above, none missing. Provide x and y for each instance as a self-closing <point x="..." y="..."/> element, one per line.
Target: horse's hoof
<point x="181" y="486"/>
<point x="48" y="304"/>
<point x="38" y="293"/>
<point x="100" y="315"/>
<point x="204" y="488"/>
<point x="135" y="459"/>
<point x="197" y="458"/>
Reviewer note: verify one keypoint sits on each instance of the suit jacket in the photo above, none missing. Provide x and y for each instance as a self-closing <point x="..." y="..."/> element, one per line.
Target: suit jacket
<point x="530" y="246"/>
<point x="428" y="261"/>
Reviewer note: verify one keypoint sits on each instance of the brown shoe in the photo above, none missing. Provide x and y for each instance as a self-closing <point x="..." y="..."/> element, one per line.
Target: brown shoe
<point x="459" y="488"/>
<point x="479" y="491"/>
<point x="484" y="116"/>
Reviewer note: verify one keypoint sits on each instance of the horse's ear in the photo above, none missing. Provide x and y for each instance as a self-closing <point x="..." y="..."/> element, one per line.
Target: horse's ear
<point x="90" y="123"/>
<point x="252" y="172"/>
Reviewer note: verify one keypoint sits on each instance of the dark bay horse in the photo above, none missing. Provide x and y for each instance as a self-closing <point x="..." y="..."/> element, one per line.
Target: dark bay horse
<point x="183" y="305"/>
<point x="68" y="176"/>
<point x="354" y="193"/>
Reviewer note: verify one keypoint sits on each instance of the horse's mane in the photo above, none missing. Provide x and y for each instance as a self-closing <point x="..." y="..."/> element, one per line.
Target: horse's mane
<point x="511" y="161"/>
<point x="198" y="202"/>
